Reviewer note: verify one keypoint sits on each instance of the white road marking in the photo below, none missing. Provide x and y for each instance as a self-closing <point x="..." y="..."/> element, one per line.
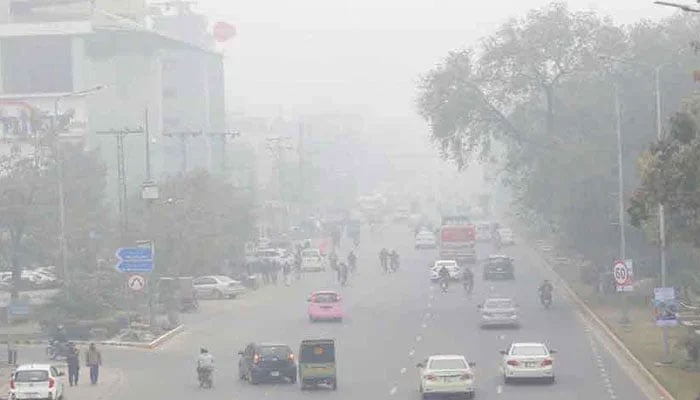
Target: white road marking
<point x="393" y="390"/>
<point x="499" y="389"/>
<point x="424" y="325"/>
<point x="502" y="337"/>
<point x="403" y="370"/>
<point x="411" y="353"/>
<point x="419" y="338"/>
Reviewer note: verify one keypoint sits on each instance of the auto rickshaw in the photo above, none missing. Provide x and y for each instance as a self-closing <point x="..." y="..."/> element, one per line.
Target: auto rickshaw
<point x="317" y="363"/>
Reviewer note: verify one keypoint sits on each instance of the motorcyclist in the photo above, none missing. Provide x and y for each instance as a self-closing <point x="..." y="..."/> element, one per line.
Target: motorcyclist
<point x="394" y="260"/>
<point x="444" y="275"/>
<point x="468" y="279"/>
<point x="352" y="261"/>
<point x="545" y="290"/>
<point x="384" y="258"/>
<point x="205" y="363"/>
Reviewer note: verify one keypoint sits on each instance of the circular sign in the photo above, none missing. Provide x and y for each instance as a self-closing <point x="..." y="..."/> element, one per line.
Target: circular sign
<point x="136" y="282"/>
<point x="620" y="273"/>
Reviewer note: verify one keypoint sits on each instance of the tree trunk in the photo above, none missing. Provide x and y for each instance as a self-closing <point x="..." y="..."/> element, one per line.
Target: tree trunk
<point x="549" y="99"/>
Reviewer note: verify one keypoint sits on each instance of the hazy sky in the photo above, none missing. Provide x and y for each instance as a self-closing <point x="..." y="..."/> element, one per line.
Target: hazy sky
<point x="361" y="52"/>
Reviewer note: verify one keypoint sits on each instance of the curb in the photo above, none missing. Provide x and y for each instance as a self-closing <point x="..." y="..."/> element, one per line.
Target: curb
<point x="151" y="345"/>
<point x="640" y="367"/>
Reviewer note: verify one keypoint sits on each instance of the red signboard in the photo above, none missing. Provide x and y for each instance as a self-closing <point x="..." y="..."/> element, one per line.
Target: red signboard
<point x="457" y="234"/>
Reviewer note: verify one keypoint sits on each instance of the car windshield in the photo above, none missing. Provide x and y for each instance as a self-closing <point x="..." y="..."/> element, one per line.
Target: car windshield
<point x="224" y="279"/>
<point x="534" y="350"/>
<point x="448" y="264"/>
<point x="448" y="363"/>
<point x="31" y="376"/>
<point x="310" y="254"/>
<point x="325" y="298"/>
<point x="317" y="353"/>
<point x="499" y="261"/>
<point x="498" y="304"/>
<point x="274" y="351"/>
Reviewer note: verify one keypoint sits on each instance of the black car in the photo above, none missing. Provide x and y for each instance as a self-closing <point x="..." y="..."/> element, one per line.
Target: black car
<point x="267" y="362"/>
<point x="499" y="267"/>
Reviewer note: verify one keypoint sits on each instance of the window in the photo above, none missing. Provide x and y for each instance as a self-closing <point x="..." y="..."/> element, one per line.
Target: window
<point x="275" y="351"/>
<point x="205" y="281"/>
<point x="32" y="376"/>
<point x="454" y="363"/>
<point x="528" y="351"/>
<point x="498" y="304"/>
<point x="318" y="353"/>
<point x="42" y="64"/>
<point x="325" y="298"/>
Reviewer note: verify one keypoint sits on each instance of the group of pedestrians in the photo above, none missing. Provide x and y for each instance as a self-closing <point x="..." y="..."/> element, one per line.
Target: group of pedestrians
<point x="343" y="268"/>
<point x="389" y="260"/>
<point x="93" y="360"/>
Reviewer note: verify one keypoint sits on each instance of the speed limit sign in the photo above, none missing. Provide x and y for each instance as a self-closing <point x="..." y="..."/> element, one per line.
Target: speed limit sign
<point x="622" y="274"/>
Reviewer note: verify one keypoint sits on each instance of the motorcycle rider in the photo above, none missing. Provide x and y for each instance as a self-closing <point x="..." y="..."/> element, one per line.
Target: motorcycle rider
<point x="384" y="259"/>
<point x="352" y="261"/>
<point x="394" y="260"/>
<point x="545" y="291"/>
<point x="205" y="364"/>
<point x="444" y="274"/>
<point x="468" y="279"/>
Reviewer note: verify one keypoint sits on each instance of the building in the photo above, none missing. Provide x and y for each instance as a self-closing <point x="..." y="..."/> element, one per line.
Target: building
<point x="96" y="67"/>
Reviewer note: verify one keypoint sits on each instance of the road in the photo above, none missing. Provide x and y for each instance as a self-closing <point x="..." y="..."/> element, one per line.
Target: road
<point x="393" y="322"/>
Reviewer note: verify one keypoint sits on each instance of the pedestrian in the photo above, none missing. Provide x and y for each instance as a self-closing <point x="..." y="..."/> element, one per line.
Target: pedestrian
<point x="275" y="271"/>
<point x="287" y="272"/>
<point x="93" y="360"/>
<point x="73" y="362"/>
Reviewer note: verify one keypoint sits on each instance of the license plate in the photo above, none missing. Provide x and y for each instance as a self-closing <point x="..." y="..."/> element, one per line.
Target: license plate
<point x="530" y="365"/>
<point x="274" y="373"/>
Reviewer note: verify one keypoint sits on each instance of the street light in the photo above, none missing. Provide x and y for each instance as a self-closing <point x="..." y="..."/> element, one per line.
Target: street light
<point x="59" y="168"/>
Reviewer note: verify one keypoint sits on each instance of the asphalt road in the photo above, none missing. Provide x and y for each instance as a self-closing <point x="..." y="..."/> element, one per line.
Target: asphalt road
<point x="393" y="322"/>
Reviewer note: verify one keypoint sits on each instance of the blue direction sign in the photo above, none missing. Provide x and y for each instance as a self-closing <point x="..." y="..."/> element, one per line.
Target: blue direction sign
<point x="135" y="259"/>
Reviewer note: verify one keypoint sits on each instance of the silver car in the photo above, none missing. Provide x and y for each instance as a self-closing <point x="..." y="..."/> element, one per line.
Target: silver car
<point x="499" y="312"/>
<point x="217" y="287"/>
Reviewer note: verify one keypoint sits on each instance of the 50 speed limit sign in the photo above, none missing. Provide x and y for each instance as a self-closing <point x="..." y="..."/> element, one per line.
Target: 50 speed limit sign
<point x="622" y="274"/>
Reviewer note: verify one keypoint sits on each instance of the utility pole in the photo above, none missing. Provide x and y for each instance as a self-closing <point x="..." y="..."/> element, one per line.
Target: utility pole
<point x="277" y="146"/>
<point x="624" y="318"/>
<point x="119" y="134"/>
<point x="223" y="136"/>
<point x="300" y="151"/>
<point x="183" y="136"/>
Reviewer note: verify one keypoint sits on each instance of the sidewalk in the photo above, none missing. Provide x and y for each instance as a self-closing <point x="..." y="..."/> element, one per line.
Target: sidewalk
<point x="109" y="381"/>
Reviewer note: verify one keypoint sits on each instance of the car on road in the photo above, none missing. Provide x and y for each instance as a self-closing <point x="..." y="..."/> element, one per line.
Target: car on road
<point x="425" y="239"/>
<point x="325" y="305"/>
<point x="36" y="381"/>
<point x="217" y="287"/>
<point x="270" y="254"/>
<point x="483" y="232"/>
<point x="528" y="361"/>
<point x="265" y="362"/>
<point x="499" y="267"/>
<point x="446" y="375"/>
<point x="505" y="237"/>
<point x="312" y="261"/>
<point x="499" y="312"/>
<point x="452" y="267"/>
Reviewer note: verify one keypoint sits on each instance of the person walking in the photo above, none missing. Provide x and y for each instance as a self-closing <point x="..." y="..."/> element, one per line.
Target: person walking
<point x="73" y="363"/>
<point x="93" y="360"/>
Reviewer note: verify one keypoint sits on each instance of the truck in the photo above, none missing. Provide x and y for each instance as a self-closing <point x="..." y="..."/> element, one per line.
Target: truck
<point x="457" y="239"/>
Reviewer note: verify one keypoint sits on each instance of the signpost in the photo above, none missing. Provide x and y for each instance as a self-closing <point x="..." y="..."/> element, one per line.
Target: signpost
<point x="623" y="274"/>
<point x="136" y="282"/>
<point x="665" y="306"/>
<point x="135" y="259"/>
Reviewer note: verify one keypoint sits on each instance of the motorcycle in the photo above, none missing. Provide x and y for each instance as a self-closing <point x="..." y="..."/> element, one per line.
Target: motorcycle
<point x="57" y="349"/>
<point x="468" y="285"/>
<point x="546" y="298"/>
<point x="204" y="375"/>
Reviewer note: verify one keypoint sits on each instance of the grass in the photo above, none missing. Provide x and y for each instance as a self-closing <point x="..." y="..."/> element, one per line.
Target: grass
<point x="642" y="337"/>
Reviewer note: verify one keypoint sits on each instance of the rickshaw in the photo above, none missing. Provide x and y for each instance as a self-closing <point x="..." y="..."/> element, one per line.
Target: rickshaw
<point x="317" y="363"/>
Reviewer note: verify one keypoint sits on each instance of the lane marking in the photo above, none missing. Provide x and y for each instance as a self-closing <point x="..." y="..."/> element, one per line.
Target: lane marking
<point x="499" y="389"/>
<point x="502" y="337"/>
<point x="403" y="370"/>
<point x="419" y="338"/>
<point x="411" y="353"/>
<point x="393" y="390"/>
<point x="424" y="325"/>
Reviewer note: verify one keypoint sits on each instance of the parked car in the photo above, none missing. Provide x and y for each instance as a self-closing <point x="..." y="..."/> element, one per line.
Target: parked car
<point x="312" y="261"/>
<point x="425" y="239"/>
<point x="36" y="381"/>
<point x="217" y="287"/>
<point x="267" y="362"/>
<point x="505" y="237"/>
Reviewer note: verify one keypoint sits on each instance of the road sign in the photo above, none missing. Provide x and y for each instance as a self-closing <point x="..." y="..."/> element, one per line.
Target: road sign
<point x="136" y="282"/>
<point x="622" y="274"/>
<point x="665" y="306"/>
<point x="135" y="259"/>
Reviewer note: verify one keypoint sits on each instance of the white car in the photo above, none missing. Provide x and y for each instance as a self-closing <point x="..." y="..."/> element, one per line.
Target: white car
<point x="446" y="375"/>
<point x="528" y="361"/>
<point x="425" y="239"/>
<point x="505" y="236"/>
<point x="499" y="312"/>
<point x="217" y="287"/>
<point x="483" y="232"/>
<point x="312" y="261"/>
<point x="36" y="381"/>
<point x="452" y="268"/>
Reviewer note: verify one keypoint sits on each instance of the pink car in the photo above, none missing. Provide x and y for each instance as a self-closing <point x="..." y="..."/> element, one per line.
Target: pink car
<point x="325" y="305"/>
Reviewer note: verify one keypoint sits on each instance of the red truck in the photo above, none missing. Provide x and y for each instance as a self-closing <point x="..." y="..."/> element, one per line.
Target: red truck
<point x="457" y="238"/>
